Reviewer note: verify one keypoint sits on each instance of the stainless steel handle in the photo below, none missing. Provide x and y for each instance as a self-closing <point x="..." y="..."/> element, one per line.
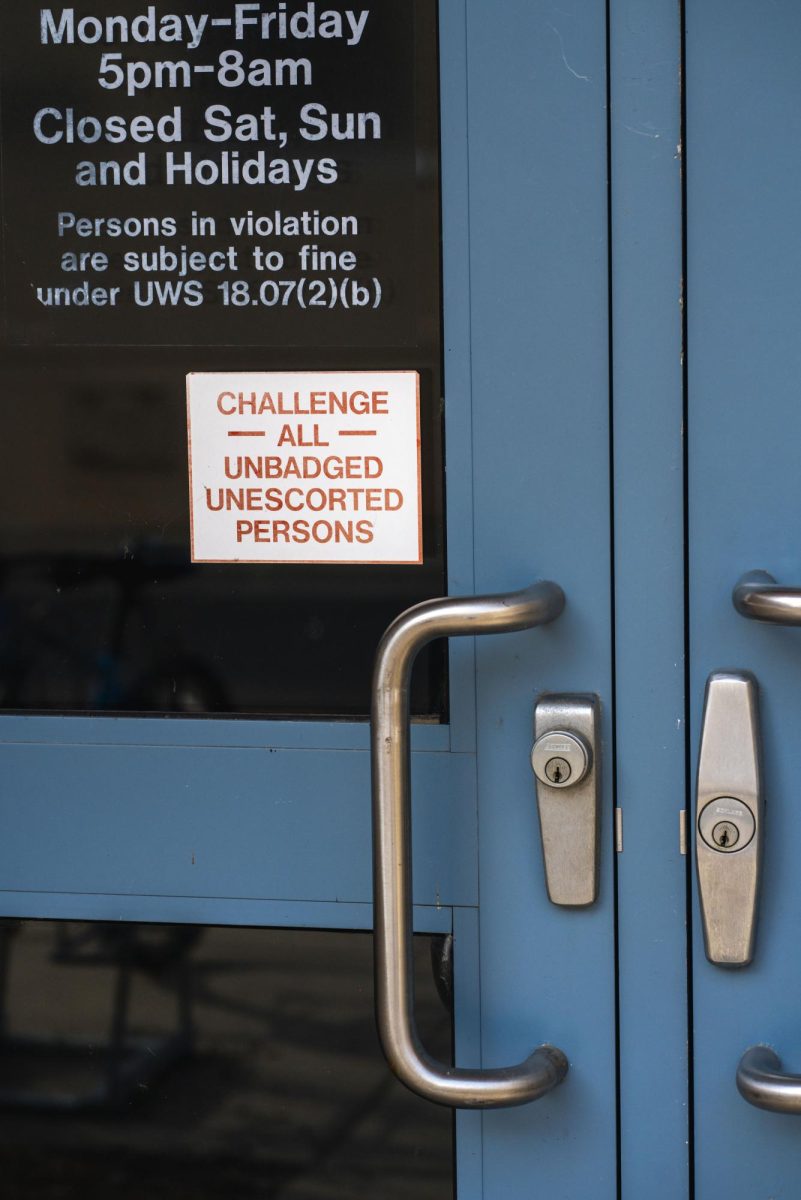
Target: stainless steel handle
<point x="758" y="596"/>
<point x="761" y="1081"/>
<point x="392" y="868"/>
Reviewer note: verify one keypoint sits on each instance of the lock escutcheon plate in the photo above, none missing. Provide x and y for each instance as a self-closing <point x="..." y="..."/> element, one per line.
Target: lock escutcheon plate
<point x="729" y="792"/>
<point x="567" y="727"/>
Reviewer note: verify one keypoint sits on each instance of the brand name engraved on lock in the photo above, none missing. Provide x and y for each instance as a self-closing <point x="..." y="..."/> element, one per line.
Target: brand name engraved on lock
<point x="561" y="748"/>
<point x="728" y="810"/>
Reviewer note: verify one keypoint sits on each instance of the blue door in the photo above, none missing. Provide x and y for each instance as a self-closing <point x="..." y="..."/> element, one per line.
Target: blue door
<point x="186" y="871"/>
<point x="743" y="311"/>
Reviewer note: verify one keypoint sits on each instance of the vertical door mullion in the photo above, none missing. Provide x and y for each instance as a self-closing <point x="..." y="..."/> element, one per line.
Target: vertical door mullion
<point x="646" y="274"/>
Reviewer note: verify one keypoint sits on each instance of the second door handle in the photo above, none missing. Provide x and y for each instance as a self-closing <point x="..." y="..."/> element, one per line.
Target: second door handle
<point x="759" y="597"/>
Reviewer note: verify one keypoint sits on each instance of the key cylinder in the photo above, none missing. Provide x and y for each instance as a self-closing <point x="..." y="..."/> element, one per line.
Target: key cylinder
<point x="726" y="824"/>
<point x="561" y="759"/>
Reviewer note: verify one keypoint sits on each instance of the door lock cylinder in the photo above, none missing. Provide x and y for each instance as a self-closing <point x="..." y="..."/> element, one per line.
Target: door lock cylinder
<point x="561" y="759"/>
<point x="726" y="824"/>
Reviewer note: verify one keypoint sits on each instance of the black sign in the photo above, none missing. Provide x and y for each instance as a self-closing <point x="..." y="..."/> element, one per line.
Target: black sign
<point x="217" y="174"/>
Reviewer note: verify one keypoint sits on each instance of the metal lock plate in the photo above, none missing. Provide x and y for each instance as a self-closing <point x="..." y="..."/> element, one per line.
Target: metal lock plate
<point x="729" y="818"/>
<point x="565" y="760"/>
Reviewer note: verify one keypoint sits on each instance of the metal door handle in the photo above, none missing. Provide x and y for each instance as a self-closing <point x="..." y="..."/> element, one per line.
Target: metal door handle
<point x="758" y="596"/>
<point x="761" y="1081"/>
<point x="457" y="1087"/>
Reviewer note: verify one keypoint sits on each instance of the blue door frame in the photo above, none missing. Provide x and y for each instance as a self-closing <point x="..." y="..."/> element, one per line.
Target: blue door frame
<point x="557" y="384"/>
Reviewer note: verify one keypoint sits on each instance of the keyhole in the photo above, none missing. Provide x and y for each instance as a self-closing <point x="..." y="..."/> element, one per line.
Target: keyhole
<point x="725" y="835"/>
<point x="557" y="770"/>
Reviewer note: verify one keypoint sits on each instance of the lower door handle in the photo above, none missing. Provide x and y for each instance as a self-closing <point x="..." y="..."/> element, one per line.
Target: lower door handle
<point x="761" y="1081"/>
<point x="457" y="1087"/>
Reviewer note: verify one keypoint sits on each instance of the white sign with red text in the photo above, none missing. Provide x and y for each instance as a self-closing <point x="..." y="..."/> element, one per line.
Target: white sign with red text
<point x="305" y="466"/>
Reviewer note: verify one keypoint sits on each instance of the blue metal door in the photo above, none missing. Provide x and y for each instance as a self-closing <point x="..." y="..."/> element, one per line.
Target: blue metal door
<point x="743" y="115"/>
<point x="267" y="822"/>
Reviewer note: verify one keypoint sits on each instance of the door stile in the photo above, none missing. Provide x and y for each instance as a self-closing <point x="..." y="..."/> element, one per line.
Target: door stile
<point x="743" y="123"/>
<point x="647" y="388"/>
<point x="539" y="369"/>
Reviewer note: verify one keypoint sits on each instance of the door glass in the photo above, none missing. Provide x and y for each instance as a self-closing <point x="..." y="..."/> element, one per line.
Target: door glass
<point x="202" y="194"/>
<point x="191" y="1063"/>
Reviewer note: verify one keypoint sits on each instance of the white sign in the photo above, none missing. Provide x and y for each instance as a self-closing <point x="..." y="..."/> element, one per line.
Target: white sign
<point x="305" y="467"/>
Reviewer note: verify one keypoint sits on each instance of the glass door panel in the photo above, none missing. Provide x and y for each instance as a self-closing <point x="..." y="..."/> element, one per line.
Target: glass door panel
<point x="193" y="1062"/>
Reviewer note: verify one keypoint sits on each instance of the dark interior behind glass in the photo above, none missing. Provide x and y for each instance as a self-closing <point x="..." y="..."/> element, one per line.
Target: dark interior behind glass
<point x="100" y="606"/>
<point x="201" y="1063"/>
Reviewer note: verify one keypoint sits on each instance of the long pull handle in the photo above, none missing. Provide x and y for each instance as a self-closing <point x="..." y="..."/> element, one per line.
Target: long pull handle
<point x="759" y="597"/>
<point x="392" y="869"/>
<point x="761" y="1081"/>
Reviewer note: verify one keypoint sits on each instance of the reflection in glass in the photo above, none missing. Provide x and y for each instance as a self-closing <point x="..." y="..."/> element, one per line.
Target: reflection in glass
<point x="198" y="1063"/>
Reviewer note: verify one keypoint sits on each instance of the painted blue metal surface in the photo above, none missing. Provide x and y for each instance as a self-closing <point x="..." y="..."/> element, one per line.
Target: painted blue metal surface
<point x="539" y="339"/>
<point x="246" y="734"/>
<point x="278" y="825"/>
<point x="744" y="266"/>
<point x="645" y="57"/>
